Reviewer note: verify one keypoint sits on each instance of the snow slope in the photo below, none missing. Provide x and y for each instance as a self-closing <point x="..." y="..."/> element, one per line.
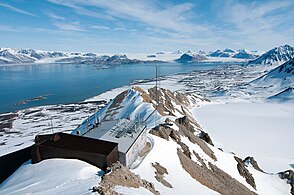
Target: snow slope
<point x="261" y="130"/>
<point x="277" y="80"/>
<point x="53" y="176"/>
<point x="286" y="95"/>
<point x="165" y="152"/>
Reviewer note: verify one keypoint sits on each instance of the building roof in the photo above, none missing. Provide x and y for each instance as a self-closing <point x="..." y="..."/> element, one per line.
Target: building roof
<point x="122" y="131"/>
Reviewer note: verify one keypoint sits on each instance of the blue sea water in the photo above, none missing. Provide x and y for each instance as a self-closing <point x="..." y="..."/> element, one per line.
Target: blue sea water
<point x="68" y="83"/>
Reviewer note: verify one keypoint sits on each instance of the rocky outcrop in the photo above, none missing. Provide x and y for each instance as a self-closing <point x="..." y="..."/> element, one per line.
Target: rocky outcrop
<point x="204" y="136"/>
<point x="253" y="162"/>
<point x="159" y="174"/>
<point x="115" y="105"/>
<point x="244" y="172"/>
<point x="161" y="131"/>
<point x="289" y="176"/>
<point x="185" y="149"/>
<point x="213" y="177"/>
<point x="187" y="130"/>
<point x="186" y="123"/>
<point x="6" y="121"/>
<point x="184" y="131"/>
<point x="120" y="175"/>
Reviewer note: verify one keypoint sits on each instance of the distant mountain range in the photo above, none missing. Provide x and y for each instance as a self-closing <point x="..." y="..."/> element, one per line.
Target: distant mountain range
<point x="25" y="56"/>
<point x="275" y="56"/>
<point x="221" y="55"/>
<point x="241" y="54"/>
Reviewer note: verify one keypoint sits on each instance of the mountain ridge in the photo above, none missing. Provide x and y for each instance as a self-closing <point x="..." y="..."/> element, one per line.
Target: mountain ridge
<point x="27" y="56"/>
<point x="275" y="56"/>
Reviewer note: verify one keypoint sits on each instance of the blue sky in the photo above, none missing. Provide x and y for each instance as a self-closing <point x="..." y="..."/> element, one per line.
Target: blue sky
<point x="135" y="26"/>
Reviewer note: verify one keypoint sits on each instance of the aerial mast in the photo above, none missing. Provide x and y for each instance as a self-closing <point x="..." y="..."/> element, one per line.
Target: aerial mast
<point x="156" y="90"/>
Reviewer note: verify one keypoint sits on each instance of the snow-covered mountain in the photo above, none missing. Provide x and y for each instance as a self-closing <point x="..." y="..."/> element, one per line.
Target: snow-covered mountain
<point x="22" y="56"/>
<point x="228" y="50"/>
<point x="279" y="80"/>
<point x="275" y="56"/>
<point x="104" y="59"/>
<point x="286" y="95"/>
<point x="191" y="57"/>
<point x="8" y="56"/>
<point x="181" y="157"/>
<point x="244" y="54"/>
<point x="219" y="53"/>
<point x="177" y="52"/>
<point x="229" y="53"/>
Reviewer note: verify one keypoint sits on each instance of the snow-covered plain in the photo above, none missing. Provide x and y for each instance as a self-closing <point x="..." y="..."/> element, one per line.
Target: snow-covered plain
<point x="262" y="130"/>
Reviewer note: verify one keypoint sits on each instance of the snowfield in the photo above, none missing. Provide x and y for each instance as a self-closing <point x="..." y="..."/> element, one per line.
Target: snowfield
<point x="262" y="130"/>
<point x="53" y="176"/>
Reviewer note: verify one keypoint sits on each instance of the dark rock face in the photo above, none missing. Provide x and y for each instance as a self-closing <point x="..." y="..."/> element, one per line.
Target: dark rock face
<point x="185" y="58"/>
<point x="185" y="149"/>
<point x="159" y="174"/>
<point x="185" y="122"/>
<point x="244" y="172"/>
<point x="212" y="176"/>
<point x="253" y="162"/>
<point x="175" y="136"/>
<point x="204" y="136"/>
<point x="196" y="140"/>
<point x="289" y="175"/>
<point x="121" y="175"/>
<point x="161" y="131"/>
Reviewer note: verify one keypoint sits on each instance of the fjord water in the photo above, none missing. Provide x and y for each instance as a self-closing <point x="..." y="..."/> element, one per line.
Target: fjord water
<point x="69" y="83"/>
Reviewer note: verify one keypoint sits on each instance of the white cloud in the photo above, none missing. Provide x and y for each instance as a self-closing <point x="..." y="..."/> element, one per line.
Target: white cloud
<point x="55" y="16"/>
<point x="125" y="29"/>
<point x="68" y="26"/>
<point x="100" y="27"/>
<point x="260" y="24"/>
<point x="151" y="13"/>
<point x="81" y="10"/>
<point x="15" y="9"/>
<point x="236" y="24"/>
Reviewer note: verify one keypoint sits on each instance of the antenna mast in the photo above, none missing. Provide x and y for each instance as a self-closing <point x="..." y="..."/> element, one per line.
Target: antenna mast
<point x="156" y="87"/>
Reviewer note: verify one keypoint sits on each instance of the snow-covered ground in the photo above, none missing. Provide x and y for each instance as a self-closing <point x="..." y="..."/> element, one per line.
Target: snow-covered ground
<point x="165" y="152"/>
<point x="262" y="130"/>
<point x="53" y="176"/>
